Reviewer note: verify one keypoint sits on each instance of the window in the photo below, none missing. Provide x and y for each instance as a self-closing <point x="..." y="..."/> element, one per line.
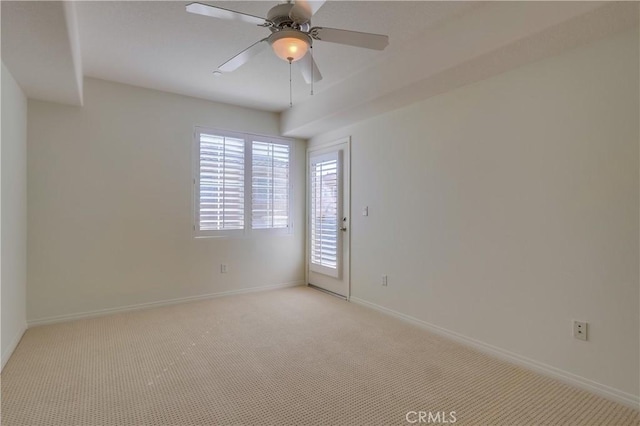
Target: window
<point x="270" y="185"/>
<point x="241" y="184"/>
<point x="221" y="190"/>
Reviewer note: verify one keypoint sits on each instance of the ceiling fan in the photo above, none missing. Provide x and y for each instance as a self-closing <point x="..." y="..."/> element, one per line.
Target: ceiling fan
<point x="291" y="34"/>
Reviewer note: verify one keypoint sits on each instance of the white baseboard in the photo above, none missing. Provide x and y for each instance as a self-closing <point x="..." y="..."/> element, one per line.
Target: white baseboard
<point x="564" y="376"/>
<point x="147" y="305"/>
<point x="12" y="346"/>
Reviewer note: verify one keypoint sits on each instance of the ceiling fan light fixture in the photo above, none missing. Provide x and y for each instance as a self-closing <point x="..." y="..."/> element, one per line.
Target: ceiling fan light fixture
<point x="290" y="45"/>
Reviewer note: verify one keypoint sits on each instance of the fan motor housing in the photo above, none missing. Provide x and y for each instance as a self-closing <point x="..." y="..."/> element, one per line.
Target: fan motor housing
<point x="288" y="33"/>
<point x="279" y="16"/>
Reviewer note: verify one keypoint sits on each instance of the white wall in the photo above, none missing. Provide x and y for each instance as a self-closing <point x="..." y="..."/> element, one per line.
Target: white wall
<point x="13" y="226"/>
<point x="505" y="209"/>
<point x="110" y="204"/>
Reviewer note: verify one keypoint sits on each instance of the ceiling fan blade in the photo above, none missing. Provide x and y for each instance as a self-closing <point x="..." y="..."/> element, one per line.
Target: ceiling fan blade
<point x="351" y="38"/>
<point x="244" y="56"/>
<point x="305" y="66"/>
<point x="218" y="12"/>
<point x="303" y="10"/>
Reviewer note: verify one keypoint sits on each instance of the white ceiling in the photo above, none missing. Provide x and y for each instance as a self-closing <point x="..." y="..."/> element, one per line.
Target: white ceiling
<point x="160" y="46"/>
<point x="434" y="47"/>
<point x="45" y="70"/>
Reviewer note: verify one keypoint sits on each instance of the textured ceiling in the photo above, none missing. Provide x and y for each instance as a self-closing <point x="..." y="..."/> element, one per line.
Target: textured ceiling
<point x="434" y="47"/>
<point x="158" y="45"/>
<point x="476" y="46"/>
<point x="36" y="47"/>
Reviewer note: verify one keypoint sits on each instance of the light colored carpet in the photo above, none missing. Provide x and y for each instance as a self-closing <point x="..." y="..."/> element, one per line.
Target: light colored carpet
<point x="294" y="356"/>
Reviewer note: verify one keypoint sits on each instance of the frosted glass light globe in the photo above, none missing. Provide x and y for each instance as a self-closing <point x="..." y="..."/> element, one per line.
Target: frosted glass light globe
<point x="290" y="45"/>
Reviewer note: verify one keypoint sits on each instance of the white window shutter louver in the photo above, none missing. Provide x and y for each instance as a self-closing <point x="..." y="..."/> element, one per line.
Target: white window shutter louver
<point x="222" y="170"/>
<point x="241" y="183"/>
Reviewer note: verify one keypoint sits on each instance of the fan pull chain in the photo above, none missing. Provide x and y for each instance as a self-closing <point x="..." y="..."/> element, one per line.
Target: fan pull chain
<point x="290" y="87"/>
<point x="311" y="51"/>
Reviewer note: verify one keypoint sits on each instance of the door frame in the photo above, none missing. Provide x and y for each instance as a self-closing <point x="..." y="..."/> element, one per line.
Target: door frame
<point x="346" y="176"/>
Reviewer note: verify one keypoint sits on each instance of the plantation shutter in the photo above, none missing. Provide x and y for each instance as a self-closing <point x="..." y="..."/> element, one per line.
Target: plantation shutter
<point x="325" y="197"/>
<point x="221" y="185"/>
<point x="270" y="185"/>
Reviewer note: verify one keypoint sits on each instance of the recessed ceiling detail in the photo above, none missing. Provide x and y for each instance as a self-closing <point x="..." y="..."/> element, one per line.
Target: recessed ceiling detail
<point x="434" y="47"/>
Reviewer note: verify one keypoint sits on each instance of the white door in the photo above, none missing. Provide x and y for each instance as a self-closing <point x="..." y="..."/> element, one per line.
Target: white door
<point x="328" y="219"/>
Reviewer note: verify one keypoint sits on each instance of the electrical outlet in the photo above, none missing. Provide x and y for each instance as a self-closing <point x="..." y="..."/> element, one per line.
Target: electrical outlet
<point x="223" y="268"/>
<point x="384" y="280"/>
<point x="580" y="329"/>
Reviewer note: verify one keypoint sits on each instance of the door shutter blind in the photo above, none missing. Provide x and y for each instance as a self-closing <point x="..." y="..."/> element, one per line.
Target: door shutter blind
<point x="325" y="210"/>
<point x="270" y="185"/>
<point x="221" y="186"/>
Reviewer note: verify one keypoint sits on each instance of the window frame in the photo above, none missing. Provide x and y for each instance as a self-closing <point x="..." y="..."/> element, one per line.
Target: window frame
<point x="248" y="230"/>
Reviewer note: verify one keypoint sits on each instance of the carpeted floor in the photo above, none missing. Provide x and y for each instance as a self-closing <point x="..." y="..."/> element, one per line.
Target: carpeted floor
<point x="294" y="356"/>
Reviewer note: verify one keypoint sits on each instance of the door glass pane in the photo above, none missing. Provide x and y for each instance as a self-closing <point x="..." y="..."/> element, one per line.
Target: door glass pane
<point x="324" y="213"/>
